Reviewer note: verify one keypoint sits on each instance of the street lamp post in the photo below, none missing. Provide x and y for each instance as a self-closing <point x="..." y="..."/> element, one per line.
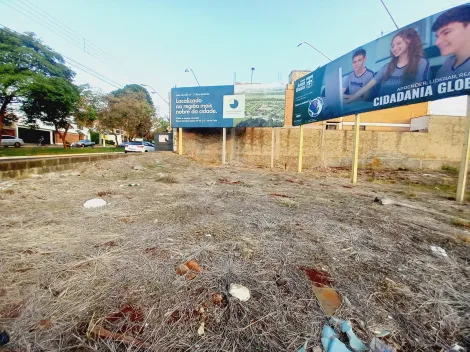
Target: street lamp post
<point x="155" y="92"/>
<point x="252" y="71"/>
<point x="314" y="49"/>
<point x="190" y="69"/>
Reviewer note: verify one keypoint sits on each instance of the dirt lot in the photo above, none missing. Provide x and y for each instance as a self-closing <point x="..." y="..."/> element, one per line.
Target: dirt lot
<point x="69" y="273"/>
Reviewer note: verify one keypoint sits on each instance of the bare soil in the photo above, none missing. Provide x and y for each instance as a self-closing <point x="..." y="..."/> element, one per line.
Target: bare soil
<point x="104" y="279"/>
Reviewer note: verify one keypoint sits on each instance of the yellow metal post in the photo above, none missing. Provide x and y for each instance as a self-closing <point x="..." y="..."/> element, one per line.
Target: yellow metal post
<point x="301" y="148"/>
<point x="464" y="162"/>
<point x="272" y="148"/>
<point x="355" y="158"/>
<point x="224" y="144"/>
<point x="180" y="141"/>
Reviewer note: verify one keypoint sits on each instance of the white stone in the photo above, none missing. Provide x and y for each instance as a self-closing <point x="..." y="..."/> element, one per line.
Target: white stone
<point x="239" y="291"/>
<point x="439" y="251"/>
<point x="94" y="203"/>
<point x="386" y="201"/>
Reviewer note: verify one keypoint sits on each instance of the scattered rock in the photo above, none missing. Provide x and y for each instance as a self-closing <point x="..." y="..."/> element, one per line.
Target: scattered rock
<point x="94" y="203"/>
<point x="210" y="183"/>
<point x="200" y="331"/>
<point x="155" y="221"/>
<point x="439" y="251"/>
<point x="239" y="291"/>
<point x="182" y="269"/>
<point x="75" y="173"/>
<point x="138" y="167"/>
<point x="384" y="201"/>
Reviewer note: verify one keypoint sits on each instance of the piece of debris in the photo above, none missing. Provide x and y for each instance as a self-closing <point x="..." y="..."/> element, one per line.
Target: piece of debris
<point x="217" y="299"/>
<point x="138" y="167"/>
<point x="280" y="195"/>
<point x="104" y="333"/>
<point x="377" y="345"/>
<point x="303" y="348"/>
<point x="348" y="186"/>
<point x="200" y="331"/>
<point x="346" y="327"/>
<point x="75" y="173"/>
<point x="224" y="180"/>
<point x="104" y="193"/>
<point x="126" y="220"/>
<point x="4" y="338"/>
<point x="239" y="291"/>
<point x="439" y="251"/>
<point x="193" y="265"/>
<point x="381" y="333"/>
<point x="384" y="201"/>
<point x="456" y="348"/>
<point x="133" y="184"/>
<point x="191" y="276"/>
<point x="182" y="269"/>
<point x="94" y="203"/>
<point x="318" y="277"/>
<point x="210" y="183"/>
<point x="328" y="299"/>
<point x="331" y="342"/>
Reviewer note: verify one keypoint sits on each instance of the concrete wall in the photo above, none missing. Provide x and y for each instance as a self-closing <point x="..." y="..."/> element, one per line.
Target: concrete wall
<point x="441" y="145"/>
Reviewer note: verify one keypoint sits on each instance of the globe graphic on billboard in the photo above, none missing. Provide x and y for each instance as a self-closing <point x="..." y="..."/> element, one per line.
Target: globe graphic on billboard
<point x="315" y="107"/>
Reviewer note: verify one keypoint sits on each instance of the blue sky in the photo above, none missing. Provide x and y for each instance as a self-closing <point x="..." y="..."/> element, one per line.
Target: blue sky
<point x="155" y="40"/>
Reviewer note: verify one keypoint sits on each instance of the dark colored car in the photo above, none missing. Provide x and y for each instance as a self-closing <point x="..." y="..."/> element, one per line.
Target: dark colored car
<point x="83" y="143"/>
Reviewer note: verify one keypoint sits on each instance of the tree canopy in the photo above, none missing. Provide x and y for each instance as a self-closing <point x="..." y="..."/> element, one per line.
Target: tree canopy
<point x="51" y="101"/>
<point x="133" y="88"/>
<point x="23" y="60"/>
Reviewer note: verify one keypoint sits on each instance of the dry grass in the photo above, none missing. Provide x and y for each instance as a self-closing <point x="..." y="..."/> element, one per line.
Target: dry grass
<point x="65" y="270"/>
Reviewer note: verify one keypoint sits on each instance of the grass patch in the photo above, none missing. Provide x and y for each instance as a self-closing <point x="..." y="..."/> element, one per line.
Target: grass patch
<point x="450" y="169"/>
<point x="168" y="179"/>
<point x="5" y="152"/>
<point x="461" y="223"/>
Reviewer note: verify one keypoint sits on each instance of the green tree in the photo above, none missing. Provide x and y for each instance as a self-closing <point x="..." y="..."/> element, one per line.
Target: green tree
<point x="52" y="101"/>
<point x="89" y="105"/>
<point x="129" y="112"/>
<point x="133" y="88"/>
<point x="23" y="60"/>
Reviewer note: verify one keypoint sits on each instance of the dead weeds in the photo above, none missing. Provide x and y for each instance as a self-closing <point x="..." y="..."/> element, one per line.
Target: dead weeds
<point x="109" y="282"/>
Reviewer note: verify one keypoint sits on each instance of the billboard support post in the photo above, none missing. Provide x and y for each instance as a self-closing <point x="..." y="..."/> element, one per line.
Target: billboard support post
<point x="180" y="141"/>
<point x="224" y="144"/>
<point x="465" y="155"/>
<point x="272" y="147"/>
<point x="355" y="157"/>
<point x="301" y="148"/>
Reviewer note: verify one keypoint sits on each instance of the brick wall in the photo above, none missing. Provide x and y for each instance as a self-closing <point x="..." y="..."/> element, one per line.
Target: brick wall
<point x="441" y="145"/>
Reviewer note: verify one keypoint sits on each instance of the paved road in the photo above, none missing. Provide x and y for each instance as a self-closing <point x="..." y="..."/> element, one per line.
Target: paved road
<point x="57" y="156"/>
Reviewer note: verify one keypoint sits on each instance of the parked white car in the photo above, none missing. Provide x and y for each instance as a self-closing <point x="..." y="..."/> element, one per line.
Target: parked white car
<point x="138" y="147"/>
<point x="11" y="141"/>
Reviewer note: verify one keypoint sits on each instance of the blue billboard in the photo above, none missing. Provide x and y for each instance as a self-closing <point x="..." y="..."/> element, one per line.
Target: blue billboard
<point x="427" y="60"/>
<point x="240" y="105"/>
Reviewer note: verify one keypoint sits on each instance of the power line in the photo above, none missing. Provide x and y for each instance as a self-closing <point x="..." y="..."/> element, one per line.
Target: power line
<point x="389" y="13"/>
<point x="73" y="33"/>
<point x="82" y="67"/>
<point x="52" y="29"/>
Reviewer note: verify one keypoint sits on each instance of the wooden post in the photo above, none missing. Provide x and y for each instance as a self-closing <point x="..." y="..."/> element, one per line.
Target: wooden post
<point x="465" y="155"/>
<point x="180" y="141"/>
<point x="224" y="144"/>
<point x="272" y="147"/>
<point x="355" y="157"/>
<point x="301" y="148"/>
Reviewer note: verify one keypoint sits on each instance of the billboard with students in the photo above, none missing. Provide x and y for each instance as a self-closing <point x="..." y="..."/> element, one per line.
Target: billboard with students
<point x="427" y="60"/>
<point x="240" y="105"/>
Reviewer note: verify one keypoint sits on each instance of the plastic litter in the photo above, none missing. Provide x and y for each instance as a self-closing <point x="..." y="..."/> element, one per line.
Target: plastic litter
<point x="330" y="341"/>
<point x="378" y="346"/>
<point x="4" y="338"/>
<point x="328" y="298"/>
<point x="239" y="291"/>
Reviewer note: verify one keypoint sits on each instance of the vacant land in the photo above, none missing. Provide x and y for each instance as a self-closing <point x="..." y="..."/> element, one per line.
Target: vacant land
<point x="32" y="151"/>
<point x="75" y="279"/>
